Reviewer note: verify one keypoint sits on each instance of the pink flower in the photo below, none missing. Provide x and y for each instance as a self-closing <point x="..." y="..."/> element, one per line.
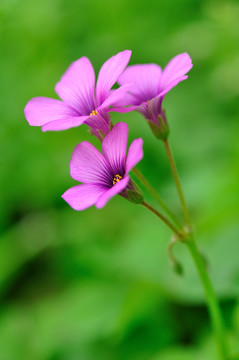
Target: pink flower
<point x="82" y="101"/>
<point x="103" y="175"/>
<point x="149" y="84"/>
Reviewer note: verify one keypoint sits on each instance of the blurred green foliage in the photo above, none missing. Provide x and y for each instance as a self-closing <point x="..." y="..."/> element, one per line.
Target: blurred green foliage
<point x="98" y="284"/>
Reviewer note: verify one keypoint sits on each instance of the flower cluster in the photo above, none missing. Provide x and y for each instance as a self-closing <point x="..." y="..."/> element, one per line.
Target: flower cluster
<point x="142" y="88"/>
<point x="104" y="175"/>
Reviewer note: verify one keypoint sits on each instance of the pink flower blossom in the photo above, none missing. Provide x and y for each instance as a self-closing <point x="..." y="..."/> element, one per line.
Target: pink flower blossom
<point x="103" y="175"/>
<point x="149" y="84"/>
<point x="82" y="101"/>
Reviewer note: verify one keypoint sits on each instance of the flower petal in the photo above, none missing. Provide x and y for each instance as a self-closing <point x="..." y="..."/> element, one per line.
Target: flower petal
<point x="176" y="68"/>
<point x="42" y="110"/>
<point x="172" y="84"/>
<point x="82" y="196"/>
<point x="115" y="96"/>
<point x="126" y="100"/>
<point x="146" y="80"/>
<point x="154" y="105"/>
<point x="114" y="147"/>
<point x="135" y="154"/>
<point x="88" y="165"/>
<point x="124" y="109"/>
<point x="116" y="189"/>
<point x="77" y="85"/>
<point x="109" y="74"/>
<point x="64" y="124"/>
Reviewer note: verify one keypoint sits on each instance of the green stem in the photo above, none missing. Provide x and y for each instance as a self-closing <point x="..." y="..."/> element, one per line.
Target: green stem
<point x="211" y="299"/>
<point x="156" y="196"/>
<point x="177" y="181"/>
<point x="163" y="218"/>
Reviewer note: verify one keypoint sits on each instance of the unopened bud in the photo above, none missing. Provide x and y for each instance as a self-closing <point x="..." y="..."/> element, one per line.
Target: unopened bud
<point x="160" y="128"/>
<point x="177" y="267"/>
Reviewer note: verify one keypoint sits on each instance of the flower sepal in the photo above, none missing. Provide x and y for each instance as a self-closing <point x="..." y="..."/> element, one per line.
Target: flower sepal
<point x="161" y="129"/>
<point x="133" y="193"/>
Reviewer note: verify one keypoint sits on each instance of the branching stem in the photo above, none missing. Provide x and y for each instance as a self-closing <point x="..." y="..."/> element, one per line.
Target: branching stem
<point x="163" y="218"/>
<point x="156" y="196"/>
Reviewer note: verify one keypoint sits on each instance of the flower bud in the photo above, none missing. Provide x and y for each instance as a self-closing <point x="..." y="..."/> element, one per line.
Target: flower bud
<point x="177" y="268"/>
<point x="159" y="127"/>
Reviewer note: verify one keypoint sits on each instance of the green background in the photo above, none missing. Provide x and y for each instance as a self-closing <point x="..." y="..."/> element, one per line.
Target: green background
<point x="98" y="285"/>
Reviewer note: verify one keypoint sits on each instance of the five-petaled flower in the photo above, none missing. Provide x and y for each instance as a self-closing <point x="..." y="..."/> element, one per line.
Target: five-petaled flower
<point x="103" y="175"/>
<point x="83" y="102"/>
<point x="149" y="85"/>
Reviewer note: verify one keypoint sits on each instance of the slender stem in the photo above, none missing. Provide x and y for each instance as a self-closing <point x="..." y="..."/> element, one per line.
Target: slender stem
<point x="177" y="181"/>
<point x="213" y="305"/>
<point x="211" y="298"/>
<point x="156" y="196"/>
<point x="163" y="218"/>
<point x="170" y="250"/>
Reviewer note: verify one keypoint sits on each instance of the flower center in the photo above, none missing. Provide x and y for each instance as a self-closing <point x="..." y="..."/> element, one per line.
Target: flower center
<point x="116" y="179"/>
<point x="94" y="112"/>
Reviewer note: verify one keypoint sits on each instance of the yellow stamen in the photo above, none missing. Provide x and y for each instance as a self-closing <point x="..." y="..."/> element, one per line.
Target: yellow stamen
<point x="94" y="112"/>
<point x="147" y="101"/>
<point x="116" y="179"/>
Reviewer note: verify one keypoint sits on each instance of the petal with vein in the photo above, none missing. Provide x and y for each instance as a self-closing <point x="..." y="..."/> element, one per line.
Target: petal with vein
<point x="135" y="154"/>
<point x="109" y="73"/>
<point x="128" y="99"/>
<point x="64" y="124"/>
<point x="82" y="196"/>
<point x="114" y="147"/>
<point x="146" y="80"/>
<point x="176" y="68"/>
<point x="116" y="96"/>
<point x="88" y="165"/>
<point x="124" y="109"/>
<point x="42" y="110"/>
<point x="172" y="84"/>
<point x="77" y="85"/>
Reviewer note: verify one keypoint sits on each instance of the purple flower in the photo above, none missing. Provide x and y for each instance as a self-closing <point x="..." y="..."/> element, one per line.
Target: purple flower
<point x="149" y="84"/>
<point x="82" y="101"/>
<point x="103" y="175"/>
